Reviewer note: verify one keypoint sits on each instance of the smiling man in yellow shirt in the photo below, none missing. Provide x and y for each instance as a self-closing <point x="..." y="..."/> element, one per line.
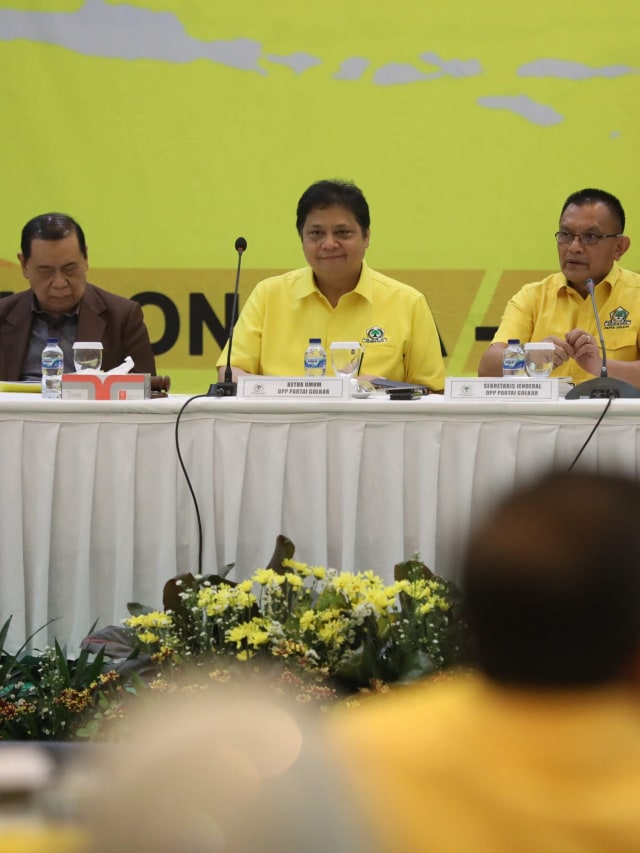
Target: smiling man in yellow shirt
<point x="337" y="297"/>
<point x="591" y="241"/>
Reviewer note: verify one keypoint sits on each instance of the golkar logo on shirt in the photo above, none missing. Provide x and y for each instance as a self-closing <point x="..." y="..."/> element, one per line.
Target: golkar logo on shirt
<point x="618" y="319"/>
<point x="374" y="335"/>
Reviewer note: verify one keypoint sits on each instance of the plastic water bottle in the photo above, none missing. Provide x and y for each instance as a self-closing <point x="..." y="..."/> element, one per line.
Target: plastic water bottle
<point x="315" y="358"/>
<point x="513" y="359"/>
<point x="52" y="369"/>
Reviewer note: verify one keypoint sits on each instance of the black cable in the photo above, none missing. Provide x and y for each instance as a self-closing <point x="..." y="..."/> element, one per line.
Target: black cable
<point x="184" y="471"/>
<point x="590" y="436"/>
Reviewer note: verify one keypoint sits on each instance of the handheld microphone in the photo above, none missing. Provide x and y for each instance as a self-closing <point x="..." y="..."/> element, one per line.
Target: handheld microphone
<point x="228" y="387"/>
<point x="603" y="387"/>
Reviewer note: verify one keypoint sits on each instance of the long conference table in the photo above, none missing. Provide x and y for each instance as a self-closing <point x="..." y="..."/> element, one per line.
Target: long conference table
<point x="95" y="510"/>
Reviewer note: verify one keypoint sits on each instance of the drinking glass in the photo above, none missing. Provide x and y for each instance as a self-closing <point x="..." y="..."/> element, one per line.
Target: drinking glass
<point x="345" y="358"/>
<point x="538" y="359"/>
<point x="87" y="355"/>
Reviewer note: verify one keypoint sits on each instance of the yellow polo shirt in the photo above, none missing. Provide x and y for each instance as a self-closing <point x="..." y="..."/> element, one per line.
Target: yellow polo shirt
<point x="392" y="320"/>
<point x="551" y="307"/>
<point x="464" y="766"/>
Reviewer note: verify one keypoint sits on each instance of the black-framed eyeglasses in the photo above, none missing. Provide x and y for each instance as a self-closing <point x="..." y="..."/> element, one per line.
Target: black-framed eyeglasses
<point x="589" y="238"/>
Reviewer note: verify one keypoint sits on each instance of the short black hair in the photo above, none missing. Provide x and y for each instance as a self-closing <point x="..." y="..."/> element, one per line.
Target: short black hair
<point x="551" y="582"/>
<point x="51" y="226"/>
<point x="591" y="196"/>
<point x="327" y="193"/>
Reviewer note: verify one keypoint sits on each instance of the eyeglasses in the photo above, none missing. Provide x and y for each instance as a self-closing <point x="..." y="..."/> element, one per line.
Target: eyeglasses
<point x="587" y="239"/>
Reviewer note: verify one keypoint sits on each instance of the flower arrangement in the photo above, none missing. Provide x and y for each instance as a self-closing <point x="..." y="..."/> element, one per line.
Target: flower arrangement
<point x="313" y="631"/>
<point x="47" y="697"/>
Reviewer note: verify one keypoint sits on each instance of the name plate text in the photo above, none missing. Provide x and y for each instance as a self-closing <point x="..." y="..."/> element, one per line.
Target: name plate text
<point x="500" y="388"/>
<point x="293" y="387"/>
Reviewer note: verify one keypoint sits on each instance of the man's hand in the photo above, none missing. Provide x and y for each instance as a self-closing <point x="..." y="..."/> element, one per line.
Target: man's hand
<point x="563" y="351"/>
<point x="585" y="350"/>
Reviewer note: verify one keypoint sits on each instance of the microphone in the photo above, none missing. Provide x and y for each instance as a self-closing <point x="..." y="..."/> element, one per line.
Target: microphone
<point x="228" y="387"/>
<point x="604" y="387"/>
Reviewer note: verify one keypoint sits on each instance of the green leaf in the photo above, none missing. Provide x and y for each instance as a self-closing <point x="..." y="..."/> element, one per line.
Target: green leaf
<point x="412" y="570"/>
<point x="284" y="550"/>
<point x="414" y="665"/>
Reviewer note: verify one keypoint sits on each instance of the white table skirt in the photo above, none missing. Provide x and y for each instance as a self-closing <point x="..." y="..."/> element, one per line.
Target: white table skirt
<point x="95" y="510"/>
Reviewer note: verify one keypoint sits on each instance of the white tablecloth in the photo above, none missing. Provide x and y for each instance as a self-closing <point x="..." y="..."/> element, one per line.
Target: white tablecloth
<point x="95" y="510"/>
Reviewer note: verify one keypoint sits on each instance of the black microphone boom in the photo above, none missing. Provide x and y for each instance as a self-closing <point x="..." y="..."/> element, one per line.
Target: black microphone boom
<point x="229" y="388"/>
<point x="604" y="386"/>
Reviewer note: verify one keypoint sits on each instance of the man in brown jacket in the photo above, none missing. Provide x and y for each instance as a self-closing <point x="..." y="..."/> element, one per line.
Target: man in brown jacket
<point x="61" y="303"/>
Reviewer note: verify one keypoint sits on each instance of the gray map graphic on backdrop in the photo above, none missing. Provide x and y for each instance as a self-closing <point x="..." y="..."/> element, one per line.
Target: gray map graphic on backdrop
<point x="130" y="33"/>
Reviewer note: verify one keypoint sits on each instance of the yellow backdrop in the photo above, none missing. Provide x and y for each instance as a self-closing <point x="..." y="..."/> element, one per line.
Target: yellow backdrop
<point x="170" y="128"/>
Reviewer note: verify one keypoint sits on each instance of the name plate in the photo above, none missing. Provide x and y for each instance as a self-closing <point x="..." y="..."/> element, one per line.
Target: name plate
<point x="500" y="388"/>
<point x="293" y="387"/>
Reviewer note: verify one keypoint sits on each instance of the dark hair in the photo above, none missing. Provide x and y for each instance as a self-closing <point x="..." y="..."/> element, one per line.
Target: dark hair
<point x="552" y="582"/>
<point x="50" y="226"/>
<point x="327" y="193"/>
<point x="591" y="196"/>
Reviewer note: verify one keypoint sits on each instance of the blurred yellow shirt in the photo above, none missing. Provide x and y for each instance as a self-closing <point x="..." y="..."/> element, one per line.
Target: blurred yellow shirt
<point x="551" y="307"/>
<point x="392" y="321"/>
<point x="462" y="766"/>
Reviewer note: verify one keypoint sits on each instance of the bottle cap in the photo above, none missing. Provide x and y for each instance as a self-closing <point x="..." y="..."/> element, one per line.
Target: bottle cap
<point x="513" y="341"/>
<point x="315" y="340"/>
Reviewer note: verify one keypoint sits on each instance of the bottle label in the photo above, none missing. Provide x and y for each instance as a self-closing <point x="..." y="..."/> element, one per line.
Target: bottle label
<point x="315" y="361"/>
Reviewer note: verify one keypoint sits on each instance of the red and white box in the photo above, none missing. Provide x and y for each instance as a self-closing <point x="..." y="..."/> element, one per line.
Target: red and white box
<point x="103" y="386"/>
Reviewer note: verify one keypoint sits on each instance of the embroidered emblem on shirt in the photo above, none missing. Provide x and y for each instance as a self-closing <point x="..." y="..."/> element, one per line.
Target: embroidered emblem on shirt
<point x="618" y="319"/>
<point x="374" y="335"/>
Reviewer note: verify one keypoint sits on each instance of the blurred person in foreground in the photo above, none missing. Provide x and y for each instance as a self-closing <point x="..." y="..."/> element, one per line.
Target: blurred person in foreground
<point x="61" y="304"/>
<point x="232" y="770"/>
<point x="591" y="241"/>
<point x="337" y="297"/>
<point x="539" y="749"/>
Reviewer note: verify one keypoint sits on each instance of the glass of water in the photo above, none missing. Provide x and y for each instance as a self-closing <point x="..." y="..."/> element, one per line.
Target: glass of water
<point x="87" y="355"/>
<point x="345" y="358"/>
<point x="538" y="359"/>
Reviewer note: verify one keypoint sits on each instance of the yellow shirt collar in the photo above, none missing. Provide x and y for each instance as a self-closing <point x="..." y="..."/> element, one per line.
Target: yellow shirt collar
<point x="610" y="278"/>
<point x="306" y="284"/>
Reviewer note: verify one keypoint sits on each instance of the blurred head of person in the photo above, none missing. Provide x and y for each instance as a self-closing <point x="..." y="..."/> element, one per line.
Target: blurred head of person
<point x="552" y="583"/>
<point x="54" y="260"/>
<point x="228" y="770"/>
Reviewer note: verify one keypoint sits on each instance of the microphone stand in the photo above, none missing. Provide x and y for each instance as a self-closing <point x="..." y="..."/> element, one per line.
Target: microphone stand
<point x="604" y="386"/>
<point x="229" y="388"/>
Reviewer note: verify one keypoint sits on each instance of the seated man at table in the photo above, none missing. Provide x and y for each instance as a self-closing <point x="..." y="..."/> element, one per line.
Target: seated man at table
<point x="539" y="749"/>
<point x="62" y="304"/>
<point x="590" y="241"/>
<point x="337" y="297"/>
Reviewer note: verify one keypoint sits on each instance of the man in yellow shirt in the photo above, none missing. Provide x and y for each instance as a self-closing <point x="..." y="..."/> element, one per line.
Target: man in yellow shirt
<point x="540" y="750"/>
<point x="590" y="241"/>
<point x="337" y="298"/>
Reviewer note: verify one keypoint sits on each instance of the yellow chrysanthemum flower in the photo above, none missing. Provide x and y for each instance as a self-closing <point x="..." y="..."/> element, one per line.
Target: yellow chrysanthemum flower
<point x="300" y="568"/>
<point x="264" y="576"/>
<point x="244" y="655"/>
<point x="307" y="620"/>
<point x="154" y="619"/>
<point x="148" y="637"/>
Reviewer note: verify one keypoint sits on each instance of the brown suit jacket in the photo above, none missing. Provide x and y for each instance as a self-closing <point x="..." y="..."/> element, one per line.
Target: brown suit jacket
<point x="102" y="316"/>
